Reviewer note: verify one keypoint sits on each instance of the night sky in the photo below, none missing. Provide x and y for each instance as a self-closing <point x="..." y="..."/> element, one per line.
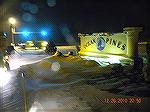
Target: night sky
<point x="78" y="16"/>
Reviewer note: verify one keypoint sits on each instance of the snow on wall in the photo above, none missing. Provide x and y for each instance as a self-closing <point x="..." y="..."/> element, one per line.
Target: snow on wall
<point x="66" y="49"/>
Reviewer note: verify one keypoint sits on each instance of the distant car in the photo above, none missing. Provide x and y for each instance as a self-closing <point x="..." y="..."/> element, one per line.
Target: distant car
<point x="41" y="44"/>
<point x="38" y="44"/>
<point x="26" y="44"/>
<point x="22" y="45"/>
<point x="29" y="44"/>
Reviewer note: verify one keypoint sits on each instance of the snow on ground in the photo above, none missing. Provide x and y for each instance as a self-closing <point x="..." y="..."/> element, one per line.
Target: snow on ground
<point x="57" y="100"/>
<point x="103" y="101"/>
<point x="73" y="84"/>
<point x="87" y="81"/>
<point x="58" y="67"/>
<point x="22" y="57"/>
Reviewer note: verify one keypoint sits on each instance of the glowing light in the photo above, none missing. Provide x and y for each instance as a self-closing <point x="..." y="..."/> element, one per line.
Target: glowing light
<point x="44" y="43"/>
<point x="43" y="33"/>
<point x="29" y="43"/>
<point x="12" y="20"/>
<point x="27" y="17"/>
<point x="25" y="33"/>
<point x="93" y="54"/>
<point x="55" y="66"/>
<point x="110" y="59"/>
<point x="5" y="34"/>
<point x="5" y="77"/>
<point x="34" y="8"/>
<point x="35" y="107"/>
<point x="101" y="61"/>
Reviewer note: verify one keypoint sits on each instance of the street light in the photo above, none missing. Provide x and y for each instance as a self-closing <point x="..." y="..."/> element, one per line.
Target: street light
<point x="12" y="22"/>
<point x="25" y="33"/>
<point x="43" y="33"/>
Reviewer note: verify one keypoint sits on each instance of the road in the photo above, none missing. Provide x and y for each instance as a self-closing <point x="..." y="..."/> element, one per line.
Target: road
<point x="12" y="93"/>
<point x="24" y="95"/>
<point x="60" y="84"/>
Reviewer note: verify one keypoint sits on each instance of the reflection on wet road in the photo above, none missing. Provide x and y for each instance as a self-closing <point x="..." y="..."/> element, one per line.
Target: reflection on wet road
<point x="20" y="94"/>
<point x="11" y="99"/>
<point x="12" y="93"/>
<point x="31" y="95"/>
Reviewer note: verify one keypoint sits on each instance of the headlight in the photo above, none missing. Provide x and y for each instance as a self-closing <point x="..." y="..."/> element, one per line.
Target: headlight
<point x="4" y="77"/>
<point x="6" y="57"/>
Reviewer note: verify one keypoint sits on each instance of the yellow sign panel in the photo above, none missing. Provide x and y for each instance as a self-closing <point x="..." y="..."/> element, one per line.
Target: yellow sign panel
<point x="115" y="44"/>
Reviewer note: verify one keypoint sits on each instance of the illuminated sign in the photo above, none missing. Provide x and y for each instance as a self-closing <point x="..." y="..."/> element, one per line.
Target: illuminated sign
<point x="117" y="43"/>
<point x="100" y="43"/>
<point x="124" y="44"/>
<point x="89" y="43"/>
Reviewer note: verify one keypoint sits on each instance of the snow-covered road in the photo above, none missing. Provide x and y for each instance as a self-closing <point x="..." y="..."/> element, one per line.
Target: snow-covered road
<point x="22" y="57"/>
<point x="73" y="84"/>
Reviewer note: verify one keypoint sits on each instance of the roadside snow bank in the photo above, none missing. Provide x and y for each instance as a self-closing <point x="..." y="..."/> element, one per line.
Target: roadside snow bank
<point x="60" y="67"/>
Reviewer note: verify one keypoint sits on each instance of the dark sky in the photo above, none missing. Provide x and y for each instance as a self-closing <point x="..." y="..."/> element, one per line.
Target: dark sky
<point x="85" y="16"/>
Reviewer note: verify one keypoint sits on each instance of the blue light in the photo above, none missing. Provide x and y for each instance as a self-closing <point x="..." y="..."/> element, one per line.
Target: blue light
<point x="5" y="34"/>
<point x="25" y="33"/>
<point x="43" y="33"/>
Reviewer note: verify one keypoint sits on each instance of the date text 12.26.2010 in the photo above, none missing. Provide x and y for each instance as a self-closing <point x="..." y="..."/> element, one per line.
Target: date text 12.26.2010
<point x="123" y="100"/>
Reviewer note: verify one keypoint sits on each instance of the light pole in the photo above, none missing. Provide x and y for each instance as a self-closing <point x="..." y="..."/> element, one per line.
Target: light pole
<point x="12" y="22"/>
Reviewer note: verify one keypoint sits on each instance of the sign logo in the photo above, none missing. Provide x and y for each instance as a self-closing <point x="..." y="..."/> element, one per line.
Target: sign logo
<point x="100" y="43"/>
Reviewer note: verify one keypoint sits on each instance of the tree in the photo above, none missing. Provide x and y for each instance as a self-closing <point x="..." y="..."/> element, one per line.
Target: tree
<point x="51" y="47"/>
